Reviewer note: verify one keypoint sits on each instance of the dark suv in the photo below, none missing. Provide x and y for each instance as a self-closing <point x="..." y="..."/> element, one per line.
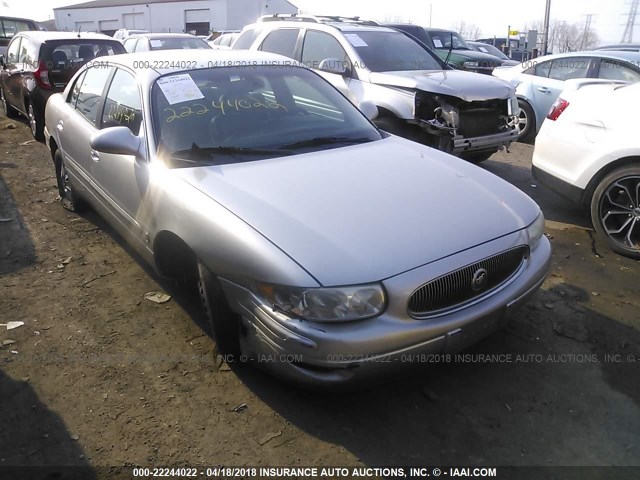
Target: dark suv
<point x="461" y="56"/>
<point x="10" y="26"/>
<point x="39" y="64"/>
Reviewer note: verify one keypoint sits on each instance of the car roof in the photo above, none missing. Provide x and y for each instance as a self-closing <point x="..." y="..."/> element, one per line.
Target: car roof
<point x="43" y="36"/>
<point x="157" y="36"/>
<point x="343" y="26"/>
<point x="614" y="54"/>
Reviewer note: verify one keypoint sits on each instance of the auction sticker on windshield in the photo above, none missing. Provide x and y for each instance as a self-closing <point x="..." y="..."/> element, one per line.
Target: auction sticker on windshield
<point x="355" y="40"/>
<point x="179" y="88"/>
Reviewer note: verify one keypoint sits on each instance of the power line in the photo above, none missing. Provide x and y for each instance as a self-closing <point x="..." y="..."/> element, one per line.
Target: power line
<point x="627" y="36"/>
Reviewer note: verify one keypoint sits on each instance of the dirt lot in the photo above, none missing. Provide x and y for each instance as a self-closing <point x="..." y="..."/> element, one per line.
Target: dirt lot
<point x="97" y="375"/>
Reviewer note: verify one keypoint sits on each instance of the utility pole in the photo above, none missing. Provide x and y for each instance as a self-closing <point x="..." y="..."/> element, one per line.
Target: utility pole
<point x="545" y="37"/>
<point x="584" y="41"/>
<point x="627" y="36"/>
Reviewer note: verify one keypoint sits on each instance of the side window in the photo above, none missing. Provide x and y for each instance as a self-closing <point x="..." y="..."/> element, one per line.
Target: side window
<point x="130" y="44"/>
<point x="28" y="52"/>
<point x="246" y="39"/>
<point x="319" y="46"/>
<point x="88" y="103"/>
<point x="13" y="52"/>
<point x="281" y="41"/>
<point x="539" y="69"/>
<point x="75" y="90"/>
<point x="568" y="68"/>
<point x="611" y="70"/>
<point x="122" y="106"/>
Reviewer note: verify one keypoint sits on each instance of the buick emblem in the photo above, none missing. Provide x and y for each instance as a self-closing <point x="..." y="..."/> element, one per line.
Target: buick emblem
<point x="479" y="280"/>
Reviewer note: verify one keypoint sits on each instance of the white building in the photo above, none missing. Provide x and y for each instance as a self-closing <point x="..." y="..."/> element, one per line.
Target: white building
<point x="190" y="16"/>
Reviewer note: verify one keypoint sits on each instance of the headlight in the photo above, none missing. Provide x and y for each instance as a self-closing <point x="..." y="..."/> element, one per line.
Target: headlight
<point x="470" y="65"/>
<point x="535" y="231"/>
<point x="332" y="304"/>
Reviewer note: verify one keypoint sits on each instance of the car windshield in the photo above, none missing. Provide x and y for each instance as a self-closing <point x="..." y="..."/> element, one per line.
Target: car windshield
<point x="491" y="50"/>
<point x="442" y="39"/>
<point x="177" y="43"/>
<point x="391" y="51"/>
<point x="238" y="114"/>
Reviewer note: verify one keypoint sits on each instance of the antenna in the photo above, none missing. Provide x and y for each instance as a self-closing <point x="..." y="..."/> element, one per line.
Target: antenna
<point x="627" y="36"/>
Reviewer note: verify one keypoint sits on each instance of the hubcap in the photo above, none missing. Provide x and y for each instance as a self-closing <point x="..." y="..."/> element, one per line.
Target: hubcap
<point x="620" y="212"/>
<point x="64" y="182"/>
<point x="522" y="120"/>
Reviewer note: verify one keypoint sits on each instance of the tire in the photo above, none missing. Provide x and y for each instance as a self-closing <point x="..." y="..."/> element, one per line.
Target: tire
<point x="36" y="123"/>
<point x="477" y="157"/>
<point x="6" y="109"/>
<point x="224" y="323"/>
<point x="68" y="198"/>
<point x="615" y="210"/>
<point x="527" y="122"/>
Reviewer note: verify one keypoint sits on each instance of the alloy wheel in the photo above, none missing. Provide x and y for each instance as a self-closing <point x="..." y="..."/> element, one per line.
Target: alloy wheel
<point x="620" y="212"/>
<point x="32" y="120"/>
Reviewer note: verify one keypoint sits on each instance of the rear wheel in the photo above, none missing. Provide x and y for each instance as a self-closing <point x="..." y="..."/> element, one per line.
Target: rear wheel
<point x="68" y="198"/>
<point x="615" y="210"/>
<point x="6" y="109"/>
<point x="36" y="123"/>
<point x="526" y="122"/>
<point x="224" y="323"/>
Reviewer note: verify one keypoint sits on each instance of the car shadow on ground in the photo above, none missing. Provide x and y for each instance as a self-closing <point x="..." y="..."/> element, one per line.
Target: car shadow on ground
<point x="33" y="436"/>
<point x="554" y="207"/>
<point x="17" y="250"/>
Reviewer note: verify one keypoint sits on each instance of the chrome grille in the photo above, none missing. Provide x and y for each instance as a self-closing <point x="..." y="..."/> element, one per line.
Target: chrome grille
<point x="457" y="287"/>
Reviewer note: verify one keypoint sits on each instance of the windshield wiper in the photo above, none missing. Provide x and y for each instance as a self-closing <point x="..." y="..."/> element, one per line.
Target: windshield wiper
<point x="319" y="141"/>
<point x="210" y="152"/>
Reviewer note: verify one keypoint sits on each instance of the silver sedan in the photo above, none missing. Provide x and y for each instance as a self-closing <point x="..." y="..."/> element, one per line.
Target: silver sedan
<point x="323" y="249"/>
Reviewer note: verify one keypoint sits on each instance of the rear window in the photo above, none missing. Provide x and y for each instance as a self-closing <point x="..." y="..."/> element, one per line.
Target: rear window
<point x="8" y="27"/>
<point x="177" y="43"/>
<point x="68" y="57"/>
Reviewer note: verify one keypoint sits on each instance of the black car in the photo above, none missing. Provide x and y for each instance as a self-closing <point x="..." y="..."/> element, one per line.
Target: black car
<point x="10" y="26"/>
<point x="496" y="52"/>
<point x="39" y="64"/>
<point x="461" y="56"/>
<point x="145" y="42"/>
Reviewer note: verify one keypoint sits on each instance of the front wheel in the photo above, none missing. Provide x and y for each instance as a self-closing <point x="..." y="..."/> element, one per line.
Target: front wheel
<point x="36" y="123"/>
<point x="223" y="322"/>
<point x="68" y="198"/>
<point x="526" y="122"/>
<point x="615" y="210"/>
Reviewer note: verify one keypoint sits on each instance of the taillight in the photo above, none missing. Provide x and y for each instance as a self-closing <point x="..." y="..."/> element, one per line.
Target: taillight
<point x="557" y="108"/>
<point x="42" y="76"/>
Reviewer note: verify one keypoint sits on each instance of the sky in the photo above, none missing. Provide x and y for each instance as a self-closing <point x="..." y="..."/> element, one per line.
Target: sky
<point x="492" y="16"/>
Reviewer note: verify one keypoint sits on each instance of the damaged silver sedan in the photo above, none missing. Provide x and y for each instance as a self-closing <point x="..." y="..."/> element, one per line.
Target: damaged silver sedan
<point x="323" y="249"/>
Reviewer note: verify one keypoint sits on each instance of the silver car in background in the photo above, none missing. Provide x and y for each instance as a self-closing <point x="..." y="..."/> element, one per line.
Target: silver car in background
<point x="540" y="81"/>
<point x="323" y="249"/>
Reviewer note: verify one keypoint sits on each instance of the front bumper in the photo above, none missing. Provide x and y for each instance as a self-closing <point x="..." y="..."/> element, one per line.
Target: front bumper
<point x="486" y="142"/>
<point x="321" y="354"/>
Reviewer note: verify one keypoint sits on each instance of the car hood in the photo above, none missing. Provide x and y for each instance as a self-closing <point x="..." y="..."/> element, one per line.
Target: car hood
<point x="467" y="86"/>
<point x="471" y="55"/>
<point x="367" y="212"/>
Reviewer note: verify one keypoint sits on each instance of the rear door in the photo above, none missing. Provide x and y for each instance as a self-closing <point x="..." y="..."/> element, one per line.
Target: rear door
<point x="76" y="127"/>
<point x="12" y="74"/>
<point x="122" y="180"/>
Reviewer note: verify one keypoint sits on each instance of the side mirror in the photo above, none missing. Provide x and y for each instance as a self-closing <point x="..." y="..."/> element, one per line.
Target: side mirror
<point x="118" y="141"/>
<point x="333" y="65"/>
<point x="369" y="109"/>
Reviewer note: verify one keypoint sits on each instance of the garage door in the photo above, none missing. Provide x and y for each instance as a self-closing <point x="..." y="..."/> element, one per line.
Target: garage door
<point x="197" y="21"/>
<point x="108" y="27"/>
<point x="133" y="20"/>
<point x="85" y="27"/>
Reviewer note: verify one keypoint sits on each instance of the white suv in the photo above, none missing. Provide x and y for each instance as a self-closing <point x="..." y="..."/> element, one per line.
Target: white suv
<point x="417" y="95"/>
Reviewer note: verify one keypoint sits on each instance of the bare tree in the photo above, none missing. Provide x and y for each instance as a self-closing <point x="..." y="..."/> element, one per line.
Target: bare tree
<point x="468" y="31"/>
<point x="565" y="36"/>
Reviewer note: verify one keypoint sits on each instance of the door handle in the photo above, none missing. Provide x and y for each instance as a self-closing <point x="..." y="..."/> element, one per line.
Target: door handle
<point x="95" y="156"/>
<point x="60" y="126"/>
<point x="544" y="90"/>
